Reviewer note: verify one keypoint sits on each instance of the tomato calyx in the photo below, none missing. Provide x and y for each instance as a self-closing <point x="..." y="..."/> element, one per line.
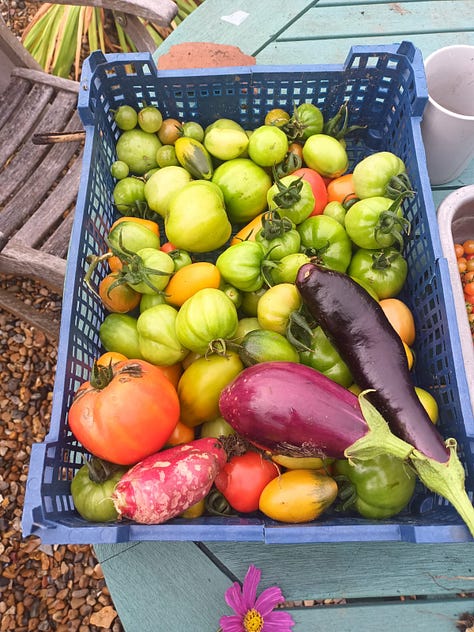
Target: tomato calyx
<point x="217" y="505"/>
<point x="390" y="223"/>
<point x="399" y="185"/>
<point x="102" y="375"/>
<point x="338" y="127"/>
<point x="101" y="470"/>
<point x="383" y="259"/>
<point x="273" y="225"/>
<point x="287" y="196"/>
<point x="291" y="162"/>
<point x="134" y="270"/>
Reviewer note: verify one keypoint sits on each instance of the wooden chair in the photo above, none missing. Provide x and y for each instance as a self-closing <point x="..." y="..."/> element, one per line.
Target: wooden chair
<point x="39" y="182"/>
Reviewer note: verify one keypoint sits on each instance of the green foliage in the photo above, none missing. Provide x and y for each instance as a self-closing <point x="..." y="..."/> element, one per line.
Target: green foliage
<point x="60" y="36"/>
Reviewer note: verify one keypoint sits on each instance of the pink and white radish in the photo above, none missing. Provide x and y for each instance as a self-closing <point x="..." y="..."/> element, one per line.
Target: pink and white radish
<point x="167" y="483"/>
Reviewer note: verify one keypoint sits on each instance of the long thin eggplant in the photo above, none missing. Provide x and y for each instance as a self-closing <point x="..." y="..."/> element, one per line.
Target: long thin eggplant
<point x="360" y="331"/>
<point x="292" y="409"/>
<point x="357" y="326"/>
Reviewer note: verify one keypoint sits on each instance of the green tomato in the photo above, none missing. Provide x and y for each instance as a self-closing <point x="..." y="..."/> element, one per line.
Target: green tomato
<point x="245" y="324"/>
<point x="323" y="237"/>
<point x="242" y="264"/>
<point x="287" y="268"/>
<point x="267" y="145"/>
<point x="384" y="271"/>
<point x="224" y="123"/>
<point x="118" y="332"/>
<point x="250" y="301"/>
<point x="206" y="316"/>
<point x="336" y="210"/>
<point x="138" y="149"/>
<point x="323" y="357"/>
<point x="157" y="337"/>
<point x="244" y="186"/>
<point x="150" y="119"/>
<point x="92" y="488"/>
<point x="293" y="198"/>
<point x="166" y="156"/>
<point x="162" y="185"/>
<point x="130" y="237"/>
<point x="181" y="258"/>
<point x="149" y="271"/>
<point x="197" y="220"/>
<point x="192" y="129"/>
<point x="216" y="428"/>
<point x="276" y="306"/>
<point x="225" y="143"/>
<point x="326" y="155"/>
<point x="126" y="117"/>
<point x="119" y="169"/>
<point x="128" y="193"/>
<point x="375" y="222"/>
<point x="278" y="237"/>
<point x="233" y="293"/>
<point x="377" y="175"/>
<point x="307" y="119"/>
<point x="263" y="345"/>
<point x="150" y="300"/>
<point x="376" y="488"/>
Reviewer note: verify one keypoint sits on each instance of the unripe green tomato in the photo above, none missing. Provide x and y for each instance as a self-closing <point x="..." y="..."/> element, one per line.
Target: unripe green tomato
<point x="150" y="119"/>
<point x="119" y="169"/>
<point x="126" y="117"/>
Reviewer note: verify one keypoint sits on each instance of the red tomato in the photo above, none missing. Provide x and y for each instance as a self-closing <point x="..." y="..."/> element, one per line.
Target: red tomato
<point x="317" y="185"/>
<point x="125" y="412"/>
<point x="243" y="478"/>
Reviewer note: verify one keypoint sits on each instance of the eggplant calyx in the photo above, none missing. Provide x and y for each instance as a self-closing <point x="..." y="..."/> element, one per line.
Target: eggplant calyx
<point x="379" y="439"/>
<point x="100" y="470"/>
<point x="447" y="480"/>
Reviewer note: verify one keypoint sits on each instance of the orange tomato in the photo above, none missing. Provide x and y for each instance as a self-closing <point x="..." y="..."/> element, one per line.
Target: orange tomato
<point x="341" y="189"/>
<point x="400" y="317"/>
<point x="248" y="232"/>
<point x="172" y="372"/>
<point x="181" y="434"/>
<point x="148" y="223"/>
<point x="119" y="299"/>
<point x="189" y="279"/>
<point x="110" y="357"/>
<point x="115" y="265"/>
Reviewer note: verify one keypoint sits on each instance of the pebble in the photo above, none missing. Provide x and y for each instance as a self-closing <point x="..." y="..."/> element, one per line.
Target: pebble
<point x="43" y="587"/>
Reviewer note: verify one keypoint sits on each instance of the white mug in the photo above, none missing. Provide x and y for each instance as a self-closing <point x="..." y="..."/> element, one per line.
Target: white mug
<point x="448" y="121"/>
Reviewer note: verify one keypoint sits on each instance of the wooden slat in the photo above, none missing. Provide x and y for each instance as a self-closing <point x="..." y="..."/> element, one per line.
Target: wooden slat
<point x="42" y="321"/>
<point x="49" y="214"/>
<point x="34" y="189"/>
<point x="20" y="125"/>
<point x="58" y="115"/>
<point x="18" y="260"/>
<point x="15" y="92"/>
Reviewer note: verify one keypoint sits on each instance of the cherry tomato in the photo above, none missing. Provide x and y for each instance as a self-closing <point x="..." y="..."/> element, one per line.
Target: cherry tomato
<point x="181" y="434"/>
<point x="120" y="298"/>
<point x="341" y="189"/>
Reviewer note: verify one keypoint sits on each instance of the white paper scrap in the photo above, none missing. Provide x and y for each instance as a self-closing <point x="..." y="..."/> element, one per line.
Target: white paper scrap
<point x="236" y="18"/>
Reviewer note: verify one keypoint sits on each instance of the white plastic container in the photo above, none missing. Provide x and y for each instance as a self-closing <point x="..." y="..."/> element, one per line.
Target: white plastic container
<point x="456" y="224"/>
<point x="448" y="121"/>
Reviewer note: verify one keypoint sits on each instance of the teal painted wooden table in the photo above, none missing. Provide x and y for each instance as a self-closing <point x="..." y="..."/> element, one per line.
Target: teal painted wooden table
<point x="179" y="586"/>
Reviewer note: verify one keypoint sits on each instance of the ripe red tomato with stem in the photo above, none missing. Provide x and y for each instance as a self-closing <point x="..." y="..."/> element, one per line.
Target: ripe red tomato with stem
<point x="243" y="478"/>
<point x="318" y="187"/>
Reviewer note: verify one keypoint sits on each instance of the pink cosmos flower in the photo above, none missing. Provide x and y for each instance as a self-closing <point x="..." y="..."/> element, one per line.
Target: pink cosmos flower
<point x="252" y="613"/>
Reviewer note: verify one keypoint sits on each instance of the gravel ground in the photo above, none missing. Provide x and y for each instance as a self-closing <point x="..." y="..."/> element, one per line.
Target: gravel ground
<point x="42" y="587"/>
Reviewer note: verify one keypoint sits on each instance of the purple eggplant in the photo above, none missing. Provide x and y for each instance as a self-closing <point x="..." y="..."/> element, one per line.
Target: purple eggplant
<point x="292" y="409"/>
<point x="358" y="328"/>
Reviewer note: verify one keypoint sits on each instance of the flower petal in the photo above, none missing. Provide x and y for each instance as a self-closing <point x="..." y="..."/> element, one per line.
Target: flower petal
<point x="231" y="623"/>
<point x="249" y="587"/>
<point x="277" y="621"/>
<point x="234" y="599"/>
<point x="268" y="599"/>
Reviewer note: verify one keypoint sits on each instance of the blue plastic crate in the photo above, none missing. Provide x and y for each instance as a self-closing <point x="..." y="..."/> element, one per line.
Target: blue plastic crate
<point x="385" y="90"/>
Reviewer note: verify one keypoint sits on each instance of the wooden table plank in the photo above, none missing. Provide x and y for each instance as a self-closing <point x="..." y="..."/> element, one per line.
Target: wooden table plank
<point x="161" y="573"/>
<point x="260" y="26"/>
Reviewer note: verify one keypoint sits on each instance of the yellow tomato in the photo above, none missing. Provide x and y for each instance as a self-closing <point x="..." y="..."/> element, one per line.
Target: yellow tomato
<point x="400" y="317"/>
<point x="429" y="403"/>
<point x="298" y="496"/>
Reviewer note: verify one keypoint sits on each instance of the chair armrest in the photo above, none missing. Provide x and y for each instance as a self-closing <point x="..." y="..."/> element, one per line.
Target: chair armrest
<point x="161" y="12"/>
